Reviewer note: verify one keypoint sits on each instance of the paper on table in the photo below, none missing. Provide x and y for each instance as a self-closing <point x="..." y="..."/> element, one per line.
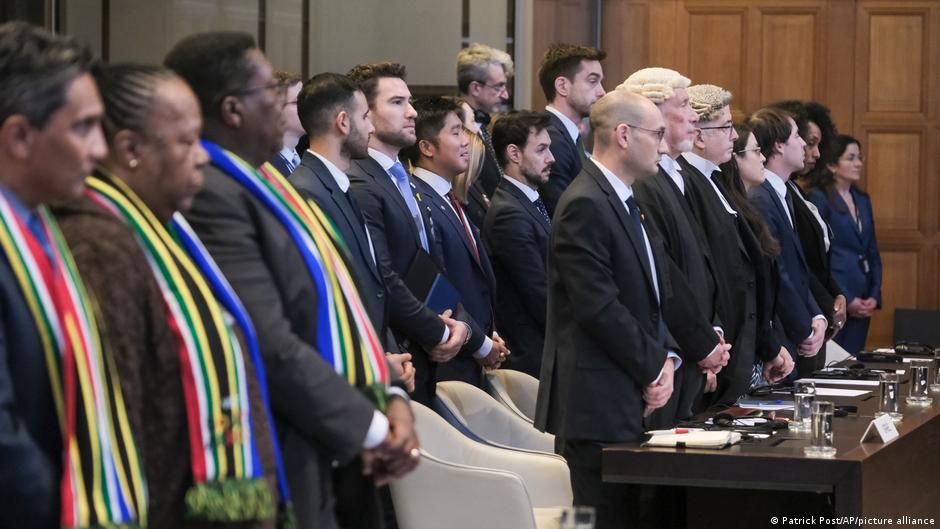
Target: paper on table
<point x="839" y="392"/>
<point x="840" y="382"/>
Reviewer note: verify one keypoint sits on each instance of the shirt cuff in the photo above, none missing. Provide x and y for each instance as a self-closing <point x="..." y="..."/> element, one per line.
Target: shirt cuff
<point x="825" y="324"/>
<point x="446" y="335"/>
<point x="675" y="358"/>
<point x="397" y="392"/>
<point x="378" y="430"/>
<point x="719" y="330"/>
<point x="484" y="349"/>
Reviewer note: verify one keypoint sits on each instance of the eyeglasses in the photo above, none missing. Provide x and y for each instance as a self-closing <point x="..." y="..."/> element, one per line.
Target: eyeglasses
<point x="726" y="128"/>
<point x="657" y="133"/>
<point x="279" y="89"/>
<point x="742" y="152"/>
<point x="500" y="87"/>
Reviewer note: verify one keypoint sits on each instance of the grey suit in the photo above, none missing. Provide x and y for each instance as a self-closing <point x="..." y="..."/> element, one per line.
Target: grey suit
<point x="320" y="417"/>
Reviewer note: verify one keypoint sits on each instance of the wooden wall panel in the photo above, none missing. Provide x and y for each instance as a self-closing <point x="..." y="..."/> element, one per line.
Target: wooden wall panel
<point x="896" y="43"/>
<point x="875" y="63"/>
<point x="893" y="176"/>
<point x="557" y="21"/>
<point x="900" y="269"/>
<point x="723" y="65"/>
<point x="788" y="56"/>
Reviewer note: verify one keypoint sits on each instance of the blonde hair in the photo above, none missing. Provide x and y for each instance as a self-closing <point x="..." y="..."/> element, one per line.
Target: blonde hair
<point x="655" y="84"/>
<point x="464" y="180"/>
<point x="707" y="100"/>
<point x="474" y="60"/>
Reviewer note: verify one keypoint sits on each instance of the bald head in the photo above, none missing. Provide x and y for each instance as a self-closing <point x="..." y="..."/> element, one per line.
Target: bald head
<point x="616" y="108"/>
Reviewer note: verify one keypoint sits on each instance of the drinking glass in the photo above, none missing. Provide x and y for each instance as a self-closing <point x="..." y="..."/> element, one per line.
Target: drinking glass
<point x="920" y="378"/>
<point x="804" y="393"/>
<point x="821" y="438"/>
<point x="890" y="396"/>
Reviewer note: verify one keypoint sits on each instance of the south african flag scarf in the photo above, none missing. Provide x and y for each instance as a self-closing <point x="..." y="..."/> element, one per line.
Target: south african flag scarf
<point x="203" y="312"/>
<point x="102" y="481"/>
<point x="345" y="337"/>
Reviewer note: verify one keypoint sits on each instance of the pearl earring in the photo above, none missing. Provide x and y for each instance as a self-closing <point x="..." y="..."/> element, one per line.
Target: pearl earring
<point x="133" y="163"/>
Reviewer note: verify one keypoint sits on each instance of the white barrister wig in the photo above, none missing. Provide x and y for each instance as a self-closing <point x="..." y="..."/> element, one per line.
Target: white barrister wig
<point x="656" y="84"/>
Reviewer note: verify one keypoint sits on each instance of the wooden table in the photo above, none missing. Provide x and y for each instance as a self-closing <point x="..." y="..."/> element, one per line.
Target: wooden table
<point x="871" y="479"/>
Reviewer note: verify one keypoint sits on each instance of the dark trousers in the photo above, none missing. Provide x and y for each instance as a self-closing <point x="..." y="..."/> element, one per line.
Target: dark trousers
<point x="357" y="500"/>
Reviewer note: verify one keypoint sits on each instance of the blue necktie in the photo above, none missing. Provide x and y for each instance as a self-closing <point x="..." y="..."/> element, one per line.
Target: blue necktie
<point x="539" y="205"/>
<point x="404" y="187"/>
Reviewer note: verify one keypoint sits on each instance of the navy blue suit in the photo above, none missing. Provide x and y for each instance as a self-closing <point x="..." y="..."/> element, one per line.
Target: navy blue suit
<point x="567" y="163"/>
<point x="280" y="164"/>
<point x="856" y="263"/>
<point x="30" y="444"/>
<point x="796" y="307"/>
<point x="474" y="279"/>
<point x="313" y="180"/>
<point x="516" y="237"/>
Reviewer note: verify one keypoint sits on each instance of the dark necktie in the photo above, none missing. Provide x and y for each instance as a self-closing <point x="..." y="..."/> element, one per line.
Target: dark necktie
<point x="579" y="144"/>
<point x="636" y="227"/>
<point x="716" y="178"/>
<point x="789" y="201"/>
<point x="539" y="205"/>
<point x="463" y="221"/>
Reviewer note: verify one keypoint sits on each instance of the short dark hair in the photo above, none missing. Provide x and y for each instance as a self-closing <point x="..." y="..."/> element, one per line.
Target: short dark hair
<point x="825" y="179"/>
<point x="321" y="98"/>
<point x="770" y="126"/>
<point x="368" y="75"/>
<point x="36" y="70"/>
<point x="513" y="128"/>
<point x="215" y="64"/>
<point x="564" y="60"/>
<point x="128" y="91"/>
<point x="432" y="113"/>
<point x="797" y="111"/>
<point x="286" y="78"/>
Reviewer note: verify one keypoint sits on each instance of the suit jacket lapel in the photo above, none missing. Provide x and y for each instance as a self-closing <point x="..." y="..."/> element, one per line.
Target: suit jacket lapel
<point x="387" y="185"/>
<point x="447" y="211"/>
<point x="620" y="209"/>
<point x="526" y="204"/>
<point x="353" y="219"/>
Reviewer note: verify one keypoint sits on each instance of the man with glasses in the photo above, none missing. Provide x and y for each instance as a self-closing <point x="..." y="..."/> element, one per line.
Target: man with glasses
<point x="609" y="357"/>
<point x="731" y="242"/>
<point x="287" y="159"/>
<point x="693" y="318"/>
<point x="483" y="75"/>
<point x="277" y="256"/>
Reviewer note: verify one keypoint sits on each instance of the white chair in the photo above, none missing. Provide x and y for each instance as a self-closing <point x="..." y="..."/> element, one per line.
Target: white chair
<point x="489" y="420"/>
<point x="462" y="484"/>
<point x="516" y="390"/>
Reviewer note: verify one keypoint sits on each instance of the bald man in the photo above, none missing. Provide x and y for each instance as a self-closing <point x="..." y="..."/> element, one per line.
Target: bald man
<point x="609" y="358"/>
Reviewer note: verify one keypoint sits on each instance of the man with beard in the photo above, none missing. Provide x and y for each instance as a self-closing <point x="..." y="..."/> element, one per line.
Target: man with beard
<point x="516" y="233"/>
<point x="398" y="227"/>
<point x="662" y="199"/>
<point x="571" y="78"/>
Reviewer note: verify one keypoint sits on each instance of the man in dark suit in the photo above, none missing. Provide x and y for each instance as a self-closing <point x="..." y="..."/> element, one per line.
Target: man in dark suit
<point x="287" y="159"/>
<point x="571" y="78"/>
<point x="516" y="233"/>
<point x="50" y="138"/>
<point x="440" y="154"/>
<point x="803" y="322"/>
<point x="729" y="238"/>
<point x="609" y="357"/>
<point x="321" y="418"/>
<point x="662" y="198"/>
<point x="483" y="75"/>
<point x="398" y="227"/>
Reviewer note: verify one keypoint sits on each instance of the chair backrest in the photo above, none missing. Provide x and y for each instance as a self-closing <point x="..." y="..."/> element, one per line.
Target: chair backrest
<point x="520" y="389"/>
<point x="546" y="476"/>
<point x="489" y="419"/>
<point x="440" y="494"/>
<point x="917" y="325"/>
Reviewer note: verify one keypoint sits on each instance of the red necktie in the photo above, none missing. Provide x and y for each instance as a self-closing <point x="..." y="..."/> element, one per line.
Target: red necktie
<point x="463" y="220"/>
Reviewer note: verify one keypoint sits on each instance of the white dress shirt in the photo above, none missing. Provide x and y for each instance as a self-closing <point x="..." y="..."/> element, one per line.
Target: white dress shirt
<point x="707" y="167"/>
<point x="530" y="193"/>
<point x="570" y="126"/>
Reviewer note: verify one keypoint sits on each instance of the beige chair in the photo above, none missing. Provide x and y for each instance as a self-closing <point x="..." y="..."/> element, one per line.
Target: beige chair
<point x="489" y="420"/>
<point x="462" y="484"/>
<point x="516" y="390"/>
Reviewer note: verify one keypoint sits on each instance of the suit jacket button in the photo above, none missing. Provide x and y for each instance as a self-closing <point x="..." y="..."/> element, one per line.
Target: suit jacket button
<point x="751" y="316"/>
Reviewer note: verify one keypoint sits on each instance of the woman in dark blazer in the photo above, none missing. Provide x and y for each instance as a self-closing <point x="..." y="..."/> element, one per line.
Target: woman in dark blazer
<point x="856" y="263"/>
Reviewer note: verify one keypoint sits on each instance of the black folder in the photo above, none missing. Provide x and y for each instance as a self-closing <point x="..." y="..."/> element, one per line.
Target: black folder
<point x="427" y="283"/>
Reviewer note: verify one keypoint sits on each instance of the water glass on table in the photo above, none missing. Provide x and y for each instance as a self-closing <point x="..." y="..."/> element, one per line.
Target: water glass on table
<point x="821" y="435"/>
<point x="804" y="393"/>
<point x="890" y="385"/>
<point x="920" y="381"/>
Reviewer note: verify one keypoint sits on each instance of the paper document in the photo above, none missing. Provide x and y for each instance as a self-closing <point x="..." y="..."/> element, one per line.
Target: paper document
<point x="839" y="392"/>
<point x="712" y="439"/>
<point x="840" y="382"/>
